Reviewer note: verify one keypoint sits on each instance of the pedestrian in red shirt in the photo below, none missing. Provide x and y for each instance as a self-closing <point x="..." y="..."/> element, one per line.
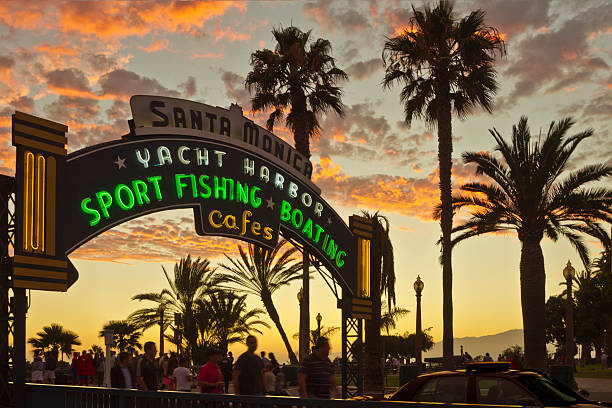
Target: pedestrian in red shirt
<point x="210" y="378"/>
<point x="82" y="369"/>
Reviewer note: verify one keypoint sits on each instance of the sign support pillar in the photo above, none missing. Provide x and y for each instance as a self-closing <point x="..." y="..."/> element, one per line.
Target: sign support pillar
<point x="19" y="360"/>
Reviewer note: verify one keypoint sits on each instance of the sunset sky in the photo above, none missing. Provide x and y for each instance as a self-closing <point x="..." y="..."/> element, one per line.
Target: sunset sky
<point x="78" y="63"/>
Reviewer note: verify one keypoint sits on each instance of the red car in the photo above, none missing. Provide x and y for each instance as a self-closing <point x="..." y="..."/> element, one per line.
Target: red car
<point x="492" y="384"/>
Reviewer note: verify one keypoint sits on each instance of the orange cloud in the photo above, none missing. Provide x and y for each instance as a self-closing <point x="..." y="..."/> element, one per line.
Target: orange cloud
<point x="124" y="19"/>
<point x="154" y="238"/>
<point x="229" y="34"/>
<point x="56" y="49"/>
<point x="208" y="55"/>
<point x="157" y="45"/>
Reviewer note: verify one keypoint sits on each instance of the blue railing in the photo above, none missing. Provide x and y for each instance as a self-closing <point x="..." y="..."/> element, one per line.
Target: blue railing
<point x="65" y="396"/>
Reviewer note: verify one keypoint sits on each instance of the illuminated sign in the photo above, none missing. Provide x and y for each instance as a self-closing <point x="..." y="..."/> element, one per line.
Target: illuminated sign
<point x="158" y="111"/>
<point x="240" y="180"/>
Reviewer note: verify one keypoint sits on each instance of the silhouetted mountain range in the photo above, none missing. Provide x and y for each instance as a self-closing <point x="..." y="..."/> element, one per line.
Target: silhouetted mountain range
<point x="492" y="344"/>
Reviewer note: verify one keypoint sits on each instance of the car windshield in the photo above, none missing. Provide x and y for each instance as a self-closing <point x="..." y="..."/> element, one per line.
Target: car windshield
<point x="548" y="393"/>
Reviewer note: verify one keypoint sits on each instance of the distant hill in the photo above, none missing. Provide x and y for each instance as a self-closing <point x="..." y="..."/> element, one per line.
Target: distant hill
<point x="492" y="344"/>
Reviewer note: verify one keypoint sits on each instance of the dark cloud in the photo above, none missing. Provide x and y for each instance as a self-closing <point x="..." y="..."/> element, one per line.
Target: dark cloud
<point x="514" y="17"/>
<point x="234" y="88"/>
<point x="189" y="87"/>
<point x="6" y="61"/>
<point x="551" y="60"/>
<point x="364" y="69"/>
<point x="350" y="54"/>
<point x="365" y="135"/>
<point x="344" y="16"/>
<point x="124" y="83"/>
<point x="23" y="103"/>
<point x="100" y="62"/>
<point x="69" y="79"/>
<point x="67" y="108"/>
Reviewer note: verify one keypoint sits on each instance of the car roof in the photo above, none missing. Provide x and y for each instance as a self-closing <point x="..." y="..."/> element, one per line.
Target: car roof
<point x="510" y="372"/>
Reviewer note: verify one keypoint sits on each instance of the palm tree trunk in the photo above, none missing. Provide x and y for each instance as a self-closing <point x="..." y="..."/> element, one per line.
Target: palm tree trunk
<point x="373" y="347"/>
<point x="533" y="281"/>
<point x="445" y="150"/>
<point x="271" y="309"/>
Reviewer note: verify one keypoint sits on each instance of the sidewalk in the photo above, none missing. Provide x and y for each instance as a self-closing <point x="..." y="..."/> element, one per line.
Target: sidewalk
<point x="600" y="389"/>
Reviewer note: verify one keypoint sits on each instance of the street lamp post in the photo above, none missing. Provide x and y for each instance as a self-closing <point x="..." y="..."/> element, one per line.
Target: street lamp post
<point x="177" y="332"/>
<point x="319" y="318"/>
<point x="418" y="288"/>
<point x="301" y="334"/>
<point x="568" y="274"/>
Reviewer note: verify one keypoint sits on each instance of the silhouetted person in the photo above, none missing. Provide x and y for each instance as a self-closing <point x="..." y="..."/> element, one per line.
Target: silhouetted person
<point x="182" y="376"/>
<point x="146" y="369"/>
<point x="316" y="373"/>
<point x="248" y="371"/>
<point x="226" y="369"/>
<point x="210" y="378"/>
<point x="121" y="374"/>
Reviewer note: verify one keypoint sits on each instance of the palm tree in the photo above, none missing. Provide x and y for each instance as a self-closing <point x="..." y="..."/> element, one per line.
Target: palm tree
<point x="148" y="317"/>
<point x="125" y="335"/>
<point x="55" y="338"/>
<point x="390" y="317"/>
<point x="299" y="77"/>
<point x="445" y="65"/>
<point x="262" y="272"/>
<point x="315" y="334"/>
<point x="525" y="193"/>
<point x="193" y="279"/>
<point x="231" y="321"/>
<point x="382" y="282"/>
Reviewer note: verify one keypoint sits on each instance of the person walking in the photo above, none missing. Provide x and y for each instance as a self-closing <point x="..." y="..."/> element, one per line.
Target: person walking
<point x="274" y="363"/>
<point x="73" y="367"/>
<point x="210" y="378"/>
<point x="226" y="370"/>
<point x="604" y="361"/>
<point x="99" y="366"/>
<point x="121" y="374"/>
<point x="50" y="367"/>
<point x="182" y="376"/>
<point x="263" y="358"/>
<point x="269" y="379"/>
<point x="38" y="369"/>
<point x="316" y="373"/>
<point x="146" y="369"/>
<point x="248" y="371"/>
<point x="488" y="358"/>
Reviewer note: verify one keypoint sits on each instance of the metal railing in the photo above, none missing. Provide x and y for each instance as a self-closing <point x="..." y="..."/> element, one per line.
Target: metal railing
<point x="65" y="396"/>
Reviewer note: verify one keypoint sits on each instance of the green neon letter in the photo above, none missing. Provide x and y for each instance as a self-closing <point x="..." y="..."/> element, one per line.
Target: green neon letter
<point x="155" y="181"/>
<point x="104" y="200"/>
<point x="194" y="186"/>
<point x="179" y="184"/>
<point x="318" y="234"/>
<point x="307" y="230"/>
<point x="296" y="224"/>
<point x="130" y="195"/>
<point x="220" y="188"/>
<point x="285" y="211"/>
<point x="96" y="219"/>
<point x="339" y="260"/>
<point x="207" y="191"/>
<point x="242" y="192"/>
<point x="256" y="201"/>
<point x="140" y="190"/>
<point x="331" y="249"/>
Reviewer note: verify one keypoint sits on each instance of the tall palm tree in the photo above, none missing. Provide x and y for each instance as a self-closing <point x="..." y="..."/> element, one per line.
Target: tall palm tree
<point x="526" y="193"/>
<point x="262" y="272"/>
<point x="315" y="334"/>
<point x="231" y="320"/>
<point x="55" y="338"/>
<point x="192" y="280"/>
<point x="126" y="335"/>
<point x="444" y="65"/>
<point x="299" y="77"/>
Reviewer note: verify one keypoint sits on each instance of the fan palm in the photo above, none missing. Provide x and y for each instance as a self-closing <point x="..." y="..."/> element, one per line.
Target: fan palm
<point x="390" y="317"/>
<point x="126" y="335"/>
<point x="55" y="338"/>
<point x="228" y="319"/>
<point x="298" y="76"/>
<point x="444" y="64"/>
<point x="527" y="194"/>
<point x="192" y="280"/>
<point x="262" y="272"/>
<point x="316" y="334"/>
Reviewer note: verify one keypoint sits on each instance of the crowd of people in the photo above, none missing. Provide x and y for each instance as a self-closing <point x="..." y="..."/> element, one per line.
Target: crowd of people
<point x="250" y="374"/>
